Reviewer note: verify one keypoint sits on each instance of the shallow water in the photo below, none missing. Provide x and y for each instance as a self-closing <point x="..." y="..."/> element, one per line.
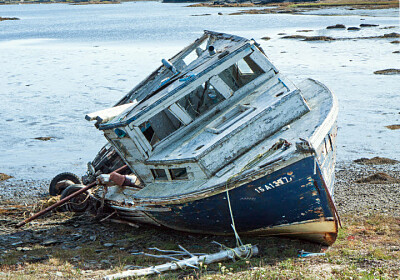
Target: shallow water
<point x="60" y="62"/>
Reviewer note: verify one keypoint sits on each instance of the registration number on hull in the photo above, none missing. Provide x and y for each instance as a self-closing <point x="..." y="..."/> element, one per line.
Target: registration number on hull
<point x="274" y="184"/>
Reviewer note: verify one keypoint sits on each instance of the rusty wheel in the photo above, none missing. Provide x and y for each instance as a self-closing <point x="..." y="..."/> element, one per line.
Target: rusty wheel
<point x="78" y="203"/>
<point x="56" y="189"/>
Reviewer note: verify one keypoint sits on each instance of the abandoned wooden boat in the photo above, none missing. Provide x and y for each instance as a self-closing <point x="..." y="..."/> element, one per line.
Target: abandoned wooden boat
<point x="217" y="136"/>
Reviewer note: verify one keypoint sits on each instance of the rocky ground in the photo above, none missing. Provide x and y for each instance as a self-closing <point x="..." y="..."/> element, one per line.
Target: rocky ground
<point x="65" y="245"/>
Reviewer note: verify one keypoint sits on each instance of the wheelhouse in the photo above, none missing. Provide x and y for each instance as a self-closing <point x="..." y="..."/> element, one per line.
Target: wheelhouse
<point x="166" y="127"/>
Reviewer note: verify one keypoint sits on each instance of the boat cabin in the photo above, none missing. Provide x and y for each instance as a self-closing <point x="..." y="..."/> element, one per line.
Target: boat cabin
<point x="200" y="110"/>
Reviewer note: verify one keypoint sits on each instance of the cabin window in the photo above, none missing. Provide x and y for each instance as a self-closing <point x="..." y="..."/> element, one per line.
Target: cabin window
<point x="159" y="126"/>
<point x="202" y="99"/>
<point x="178" y="173"/>
<point x="159" y="174"/>
<point x="241" y="73"/>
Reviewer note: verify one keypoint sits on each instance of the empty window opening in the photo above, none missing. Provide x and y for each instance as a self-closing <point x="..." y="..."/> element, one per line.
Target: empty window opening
<point x="202" y="99"/>
<point x="159" y="174"/>
<point x="241" y="73"/>
<point x="193" y="55"/>
<point x="160" y="126"/>
<point x="148" y="132"/>
<point x="178" y="173"/>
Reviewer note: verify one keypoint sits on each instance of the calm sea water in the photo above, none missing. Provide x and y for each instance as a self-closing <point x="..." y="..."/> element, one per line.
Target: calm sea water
<point x="61" y="61"/>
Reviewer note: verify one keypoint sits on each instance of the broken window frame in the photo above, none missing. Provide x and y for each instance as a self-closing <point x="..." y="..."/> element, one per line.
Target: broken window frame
<point x="220" y="86"/>
<point x="157" y="177"/>
<point x="174" y="176"/>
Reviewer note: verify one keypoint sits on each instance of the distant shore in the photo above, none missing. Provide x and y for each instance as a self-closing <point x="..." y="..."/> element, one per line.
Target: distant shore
<point x="71" y="2"/>
<point x="299" y="7"/>
<point x="273" y="7"/>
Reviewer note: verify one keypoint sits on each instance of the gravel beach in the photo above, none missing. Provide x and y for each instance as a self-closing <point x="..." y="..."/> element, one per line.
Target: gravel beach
<point x="81" y="247"/>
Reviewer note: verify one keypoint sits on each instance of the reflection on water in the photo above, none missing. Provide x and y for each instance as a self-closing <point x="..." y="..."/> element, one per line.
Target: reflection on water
<point x="60" y="62"/>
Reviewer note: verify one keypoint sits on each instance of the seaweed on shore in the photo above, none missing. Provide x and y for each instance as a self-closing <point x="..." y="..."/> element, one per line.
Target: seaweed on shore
<point x="8" y="18"/>
<point x="388" y="72"/>
<point x="327" y="38"/>
<point x="319" y="38"/>
<point x="379" y="178"/>
<point x="376" y="161"/>
<point x="309" y="38"/>
<point x="393" y="126"/>
<point x="4" y="177"/>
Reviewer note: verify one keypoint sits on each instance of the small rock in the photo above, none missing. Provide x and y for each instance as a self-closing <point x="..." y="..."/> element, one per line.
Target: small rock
<point x="336" y="26"/>
<point x="391" y="35"/>
<point x="220" y="13"/>
<point x="59" y="274"/>
<point x="76" y="236"/>
<point x="76" y="258"/>
<point x="388" y="27"/>
<point x="108" y="245"/>
<point x="23" y="249"/>
<point x="368" y="25"/>
<point x="49" y="242"/>
<point x="105" y="262"/>
<point x="265" y="38"/>
<point x="304" y="30"/>
<point x="395" y="42"/>
<point x="93" y="237"/>
<point x="201" y="15"/>
<point x="44" y="138"/>
<point x="354" y="28"/>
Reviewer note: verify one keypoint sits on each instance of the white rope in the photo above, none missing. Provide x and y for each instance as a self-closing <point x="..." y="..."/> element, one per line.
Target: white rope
<point x="238" y="240"/>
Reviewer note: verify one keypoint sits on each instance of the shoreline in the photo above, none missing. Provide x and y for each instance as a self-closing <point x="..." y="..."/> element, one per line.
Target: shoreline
<point x="348" y="175"/>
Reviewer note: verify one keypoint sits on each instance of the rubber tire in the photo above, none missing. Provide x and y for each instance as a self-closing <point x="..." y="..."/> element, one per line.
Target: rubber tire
<point x="53" y="190"/>
<point x="79" y="208"/>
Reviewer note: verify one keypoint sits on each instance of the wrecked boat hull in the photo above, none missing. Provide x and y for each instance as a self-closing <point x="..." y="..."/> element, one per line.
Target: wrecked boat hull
<point x="259" y="207"/>
<point x="217" y="136"/>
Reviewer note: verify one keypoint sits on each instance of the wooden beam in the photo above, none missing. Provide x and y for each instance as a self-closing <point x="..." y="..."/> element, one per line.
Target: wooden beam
<point x="221" y="86"/>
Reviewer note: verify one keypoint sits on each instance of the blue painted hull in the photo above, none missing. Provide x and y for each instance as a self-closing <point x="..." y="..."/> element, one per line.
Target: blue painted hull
<point x="294" y="195"/>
